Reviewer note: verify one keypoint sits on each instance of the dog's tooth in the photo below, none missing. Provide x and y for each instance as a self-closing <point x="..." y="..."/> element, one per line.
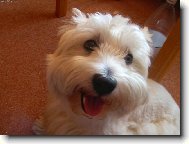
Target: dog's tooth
<point x="83" y="100"/>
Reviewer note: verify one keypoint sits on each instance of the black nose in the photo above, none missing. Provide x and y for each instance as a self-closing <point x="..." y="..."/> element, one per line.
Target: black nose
<point x="103" y="85"/>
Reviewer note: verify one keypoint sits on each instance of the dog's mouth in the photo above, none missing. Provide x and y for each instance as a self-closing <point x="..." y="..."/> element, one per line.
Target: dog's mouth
<point x="91" y="105"/>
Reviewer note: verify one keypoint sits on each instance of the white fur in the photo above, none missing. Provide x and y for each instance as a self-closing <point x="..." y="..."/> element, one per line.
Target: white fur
<point x="136" y="106"/>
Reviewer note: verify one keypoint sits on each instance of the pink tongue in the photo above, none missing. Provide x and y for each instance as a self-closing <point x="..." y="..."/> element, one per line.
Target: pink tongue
<point x="93" y="105"/>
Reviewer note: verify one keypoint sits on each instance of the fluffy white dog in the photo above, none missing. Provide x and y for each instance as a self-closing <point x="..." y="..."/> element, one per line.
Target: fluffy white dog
<point x="98" y="82"/>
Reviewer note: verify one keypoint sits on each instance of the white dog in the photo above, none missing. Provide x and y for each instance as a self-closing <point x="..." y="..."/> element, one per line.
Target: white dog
<point x="98" y="82"/>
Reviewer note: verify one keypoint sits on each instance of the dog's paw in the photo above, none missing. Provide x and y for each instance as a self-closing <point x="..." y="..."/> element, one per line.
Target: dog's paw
<point x="38" y="126"/>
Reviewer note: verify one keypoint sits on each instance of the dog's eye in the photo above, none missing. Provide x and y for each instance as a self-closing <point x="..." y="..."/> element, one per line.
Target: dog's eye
<point x="89" y="45"/>
<point x="128" y="59"/>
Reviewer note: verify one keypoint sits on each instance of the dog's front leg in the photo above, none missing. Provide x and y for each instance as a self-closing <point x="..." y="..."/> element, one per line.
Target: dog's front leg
<point x="38" y="128"/>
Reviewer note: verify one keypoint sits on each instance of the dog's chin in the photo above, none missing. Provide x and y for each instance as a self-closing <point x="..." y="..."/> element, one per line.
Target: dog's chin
<point x="85" y="102"/>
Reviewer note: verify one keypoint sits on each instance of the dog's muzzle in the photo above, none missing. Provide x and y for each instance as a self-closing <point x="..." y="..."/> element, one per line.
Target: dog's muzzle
<point x="103" y="85"/>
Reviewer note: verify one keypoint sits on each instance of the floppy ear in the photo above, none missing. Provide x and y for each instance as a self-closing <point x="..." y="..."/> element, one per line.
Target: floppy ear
<point x="78" y="16"/>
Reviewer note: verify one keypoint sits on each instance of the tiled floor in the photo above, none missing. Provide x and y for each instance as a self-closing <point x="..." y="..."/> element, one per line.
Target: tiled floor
<point x="28" y="31"/>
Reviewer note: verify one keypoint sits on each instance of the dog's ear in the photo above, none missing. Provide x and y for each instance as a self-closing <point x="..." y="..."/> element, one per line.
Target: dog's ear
<point x="78" y="16"/>
<point x="147" y="34"/>
<point x="148" y="37"/>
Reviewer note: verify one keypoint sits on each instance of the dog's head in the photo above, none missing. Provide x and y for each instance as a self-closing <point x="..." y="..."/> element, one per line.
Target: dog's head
<point x="101" y="65"/>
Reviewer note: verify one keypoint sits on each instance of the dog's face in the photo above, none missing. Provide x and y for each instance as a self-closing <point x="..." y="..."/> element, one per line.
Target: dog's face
<point x="100" y="66"/>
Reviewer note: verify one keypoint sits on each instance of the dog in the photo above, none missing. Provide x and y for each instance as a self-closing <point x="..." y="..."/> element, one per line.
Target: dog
<point x="98" y="82"/>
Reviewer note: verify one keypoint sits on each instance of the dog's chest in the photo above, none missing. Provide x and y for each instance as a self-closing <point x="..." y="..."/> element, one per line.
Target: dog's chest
<point x="111" y="126"/>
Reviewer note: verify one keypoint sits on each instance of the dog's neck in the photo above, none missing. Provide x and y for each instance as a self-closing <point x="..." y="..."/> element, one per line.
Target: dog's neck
<point x="96" y="125"/>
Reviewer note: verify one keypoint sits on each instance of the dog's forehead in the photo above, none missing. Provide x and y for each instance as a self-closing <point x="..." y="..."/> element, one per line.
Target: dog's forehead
<point x="114" y="28"/>
<point x="108" y="22"/>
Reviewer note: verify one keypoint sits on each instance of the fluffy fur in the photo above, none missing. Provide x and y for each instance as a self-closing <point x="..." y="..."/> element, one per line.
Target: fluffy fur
<point x="137" y="106"/>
